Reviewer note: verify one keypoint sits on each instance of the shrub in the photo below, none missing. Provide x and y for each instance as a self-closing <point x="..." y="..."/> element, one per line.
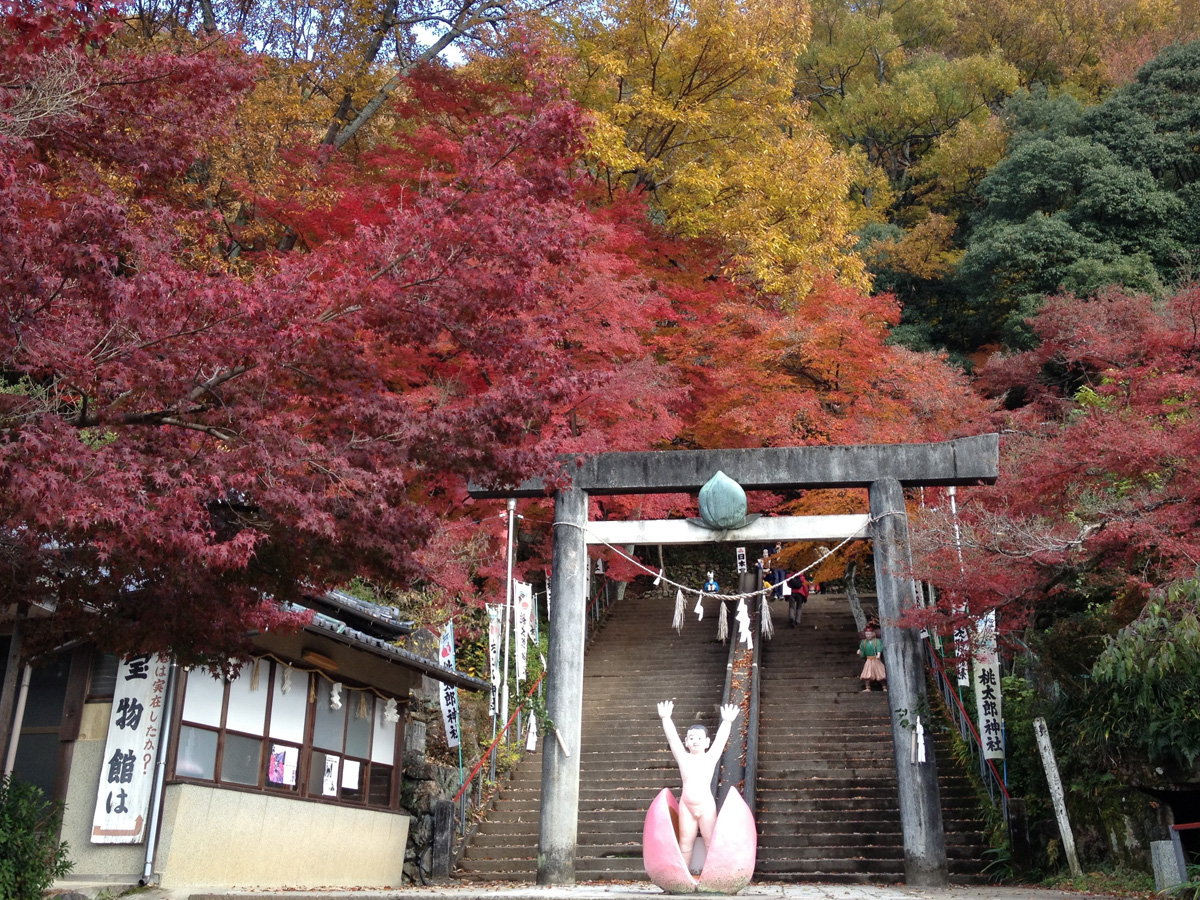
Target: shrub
<point x="1188" y="890"/>
<point x="1144" y="701"/>
<point x="31" y="855"/>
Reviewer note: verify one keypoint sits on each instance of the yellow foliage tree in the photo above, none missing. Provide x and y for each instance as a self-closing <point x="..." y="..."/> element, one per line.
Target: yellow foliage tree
<point x="693" y="105"/>
<point x="1055" y="41"/>
<point x="947" y="176"/>
<point x="924" y="251"/>
<point x="877" y="81"/>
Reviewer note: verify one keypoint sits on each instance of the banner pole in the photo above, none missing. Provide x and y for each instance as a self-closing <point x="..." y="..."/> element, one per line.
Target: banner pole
<point x="508" y="607"/>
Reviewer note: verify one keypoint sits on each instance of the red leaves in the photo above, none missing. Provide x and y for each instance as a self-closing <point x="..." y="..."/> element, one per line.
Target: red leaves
<point x="1099" y="478"/>
<point x="179" y="443"/>
<point x="821" y="372"/>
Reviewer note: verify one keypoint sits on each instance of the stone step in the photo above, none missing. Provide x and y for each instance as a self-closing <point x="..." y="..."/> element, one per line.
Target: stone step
<point x="855" y="865"/>
<point x="827" y="779"/>
<point x="606" y="869"/>
<point x="827" y="792"/>
<point x="624" y="759"/>
<point x="808" y="840"/>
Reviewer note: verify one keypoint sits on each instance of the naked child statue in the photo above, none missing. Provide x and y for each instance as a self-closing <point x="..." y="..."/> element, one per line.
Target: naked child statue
<point x="697" y="762"/>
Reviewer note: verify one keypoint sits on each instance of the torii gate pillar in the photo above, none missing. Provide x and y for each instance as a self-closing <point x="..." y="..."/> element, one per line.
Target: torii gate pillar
<point x="920" y="804"/>
<point x="564" y="695"/>
<point x="884" y="470"/>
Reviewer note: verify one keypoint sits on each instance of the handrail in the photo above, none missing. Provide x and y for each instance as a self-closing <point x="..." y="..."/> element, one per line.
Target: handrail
<point x="479" y="765"/>
<point x="730" y="754"/>
<point x="971" y="725"/>
<point x="989" y="773"/>
<point x="496" y="740"/>
<point x="592" y="619"/>
<point x="596" y="596"/>
<point x="751" y="791"/>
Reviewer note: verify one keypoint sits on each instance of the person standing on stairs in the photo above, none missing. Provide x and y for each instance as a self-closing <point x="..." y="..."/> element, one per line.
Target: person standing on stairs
<point x="697" y="762"/>
<point x="778" y="576"/>
<point x="797" y="598"/>
<point x="871" y="650"/>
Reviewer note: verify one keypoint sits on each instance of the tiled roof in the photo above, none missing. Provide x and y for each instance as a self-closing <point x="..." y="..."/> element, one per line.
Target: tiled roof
<point x="338" y="630"/>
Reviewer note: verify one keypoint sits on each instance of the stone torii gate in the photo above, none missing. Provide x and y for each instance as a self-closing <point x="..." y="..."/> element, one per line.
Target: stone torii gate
<point x="885" y="470"/>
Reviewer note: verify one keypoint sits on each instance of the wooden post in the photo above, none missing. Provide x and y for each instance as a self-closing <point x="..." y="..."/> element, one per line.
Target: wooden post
<point x="8" y="691"/>
<point x="1056" y="794"/>
<point x="443" y="831"/>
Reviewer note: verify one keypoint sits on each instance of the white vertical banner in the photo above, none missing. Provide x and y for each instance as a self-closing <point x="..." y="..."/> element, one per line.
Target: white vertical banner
<point x="127" y="775"/>
<point x="987" y="688"/>
<point x="523" y="603"/>
<point x="962" y="654"/>
<point x="449" y="693"/>
<point x="963" y="651"/>
<point x="495" y="651"/>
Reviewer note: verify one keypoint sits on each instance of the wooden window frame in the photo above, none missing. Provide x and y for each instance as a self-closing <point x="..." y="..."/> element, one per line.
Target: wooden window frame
<point x="300" y="790"/>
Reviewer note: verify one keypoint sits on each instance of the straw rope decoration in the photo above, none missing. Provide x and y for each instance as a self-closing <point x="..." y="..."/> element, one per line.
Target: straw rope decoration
<point x="758" y="593"/>
<point x="682" y="589"/>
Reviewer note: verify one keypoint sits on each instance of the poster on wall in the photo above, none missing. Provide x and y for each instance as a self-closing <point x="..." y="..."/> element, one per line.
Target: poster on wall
<point x="282" y="767"/>
<point x="127" y="773"/>
<point x="329" y="783"/>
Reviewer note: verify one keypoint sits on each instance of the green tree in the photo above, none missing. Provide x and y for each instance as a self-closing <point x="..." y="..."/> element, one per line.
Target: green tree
<point x="1087" y="197"/>
<point x="1143" y="700"/>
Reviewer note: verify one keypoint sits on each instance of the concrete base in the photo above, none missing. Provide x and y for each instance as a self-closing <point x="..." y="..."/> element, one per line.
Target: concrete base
<point x="213" y="837"/>
<point x="1169" y="867"/>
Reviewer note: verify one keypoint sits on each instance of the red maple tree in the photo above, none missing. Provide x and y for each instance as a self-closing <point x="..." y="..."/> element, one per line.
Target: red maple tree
<point x="1099" y="486"/>
<point x="181" y="440"/>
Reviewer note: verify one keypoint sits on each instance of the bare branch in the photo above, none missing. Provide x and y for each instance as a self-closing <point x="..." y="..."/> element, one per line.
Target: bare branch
<point x="54" y="90"/>
<point x="210" y="386"/>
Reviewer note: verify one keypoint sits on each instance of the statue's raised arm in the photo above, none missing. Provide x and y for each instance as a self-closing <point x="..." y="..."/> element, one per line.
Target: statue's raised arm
<point x="729" y="712"/>
<point x="665" y="710"/>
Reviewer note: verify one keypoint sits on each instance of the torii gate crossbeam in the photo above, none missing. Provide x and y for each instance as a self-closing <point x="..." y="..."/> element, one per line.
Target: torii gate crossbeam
<point x="885" y="469"/>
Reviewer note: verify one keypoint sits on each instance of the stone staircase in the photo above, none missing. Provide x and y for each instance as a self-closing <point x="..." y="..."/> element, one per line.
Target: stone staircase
<point x="827" y="800"/>
<point x="827" y="797"/>
<point x="636" y="660"/>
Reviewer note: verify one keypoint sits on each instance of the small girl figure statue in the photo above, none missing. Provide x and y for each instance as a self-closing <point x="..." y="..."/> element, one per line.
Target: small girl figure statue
<point x="871" y="649"/>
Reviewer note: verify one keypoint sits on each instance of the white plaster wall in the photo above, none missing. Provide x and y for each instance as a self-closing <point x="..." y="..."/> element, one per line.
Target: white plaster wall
<point x="222" y="838"/>
<point x="122" y="863"/>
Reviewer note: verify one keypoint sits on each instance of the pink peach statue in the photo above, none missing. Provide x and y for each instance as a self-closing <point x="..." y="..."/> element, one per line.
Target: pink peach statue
<point x="688" y="838"/>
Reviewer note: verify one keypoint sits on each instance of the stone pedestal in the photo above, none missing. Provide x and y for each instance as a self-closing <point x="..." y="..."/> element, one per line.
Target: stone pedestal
<point x="1169" y="867"/>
